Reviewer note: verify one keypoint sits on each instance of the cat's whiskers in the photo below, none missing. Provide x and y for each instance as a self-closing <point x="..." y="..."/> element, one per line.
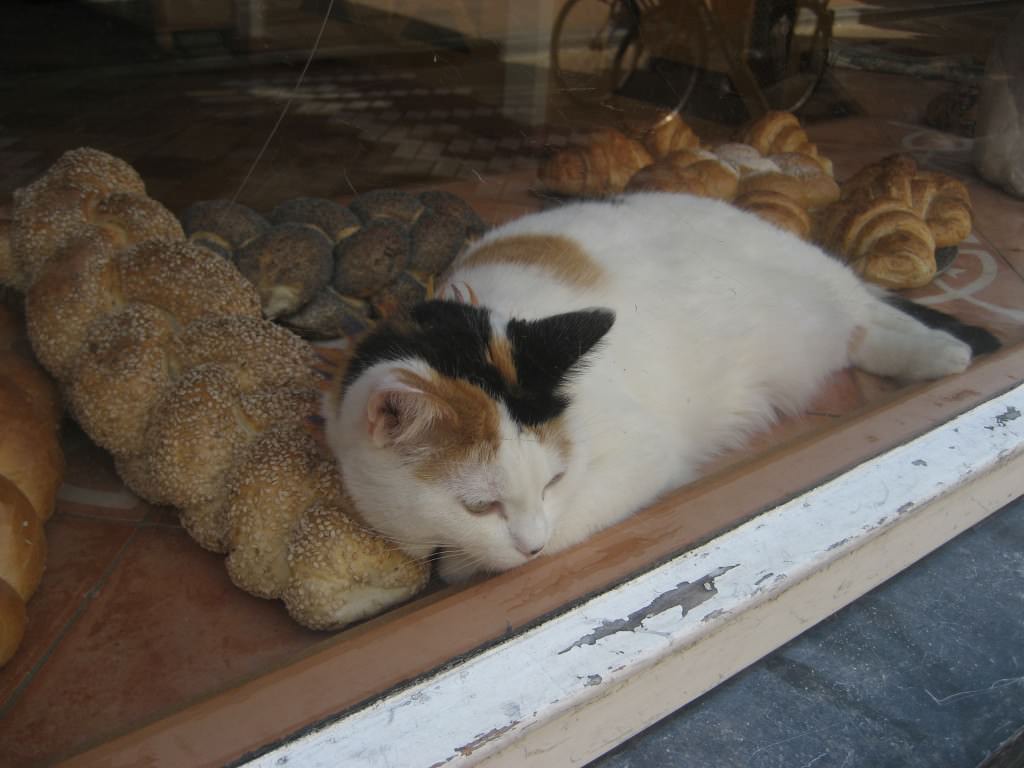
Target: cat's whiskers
<point x="470" y="563"/>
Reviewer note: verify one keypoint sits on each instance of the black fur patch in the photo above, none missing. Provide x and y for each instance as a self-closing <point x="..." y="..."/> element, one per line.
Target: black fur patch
<point x="452" y="339"/>
<point x="981" y="341"/>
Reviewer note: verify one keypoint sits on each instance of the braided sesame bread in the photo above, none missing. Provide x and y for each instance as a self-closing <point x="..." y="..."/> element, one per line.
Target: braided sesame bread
<point x="167" y="362"/>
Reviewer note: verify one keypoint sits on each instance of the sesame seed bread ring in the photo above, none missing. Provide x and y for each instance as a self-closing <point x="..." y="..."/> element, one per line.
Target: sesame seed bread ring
<point x="185" y="281"/>
<point x="367" y="573"/>
<point x="47" y="215"/>
<point x="281" y="475"/>
<point x="206" y="519"/>
<point x="260" y="355"/>
<point x="74" y="289"/>
<point x="123" y="375"/>
<point x="94" y="171"/>
<point x="162" y="350"/>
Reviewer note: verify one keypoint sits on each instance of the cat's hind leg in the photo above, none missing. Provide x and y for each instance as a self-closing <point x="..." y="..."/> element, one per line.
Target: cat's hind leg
<point x="890" y="342"/>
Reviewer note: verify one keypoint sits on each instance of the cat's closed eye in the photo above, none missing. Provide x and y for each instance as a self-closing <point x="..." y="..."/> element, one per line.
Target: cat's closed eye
<point x="484" y="508"/>
<point x="553" y="481"/>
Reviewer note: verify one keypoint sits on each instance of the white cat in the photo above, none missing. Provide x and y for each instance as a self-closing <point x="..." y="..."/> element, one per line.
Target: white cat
<point x="602" y="352"/>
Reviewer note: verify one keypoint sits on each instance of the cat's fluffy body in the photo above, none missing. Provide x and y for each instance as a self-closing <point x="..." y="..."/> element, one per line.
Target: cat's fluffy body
<point x="721" y="322"/>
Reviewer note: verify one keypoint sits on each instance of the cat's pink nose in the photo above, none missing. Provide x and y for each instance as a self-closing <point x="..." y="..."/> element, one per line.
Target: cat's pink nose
<point x="530" y="550"/>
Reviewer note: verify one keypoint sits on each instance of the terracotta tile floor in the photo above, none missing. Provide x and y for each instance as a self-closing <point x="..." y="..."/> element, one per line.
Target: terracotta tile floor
<point x="133" y="619"/>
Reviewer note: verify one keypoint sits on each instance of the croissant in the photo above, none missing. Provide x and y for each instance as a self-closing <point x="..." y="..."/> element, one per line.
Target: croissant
<point x="601" y="167"/>
<point x="818" y="188"/>
<point x="942" y="201"/>
<point x="779" y="132"/>
<point x="780" y="209"/>
<point x="945" y="205"/>
<point x="778" y="183"/>
<point x="692" y="171"/>
<point x="670" y="134"/>
<point x="165" y="360"/>
<point x="883" y="239"/>
<point x="31" y="467"/>
<point x="891" y="177"/>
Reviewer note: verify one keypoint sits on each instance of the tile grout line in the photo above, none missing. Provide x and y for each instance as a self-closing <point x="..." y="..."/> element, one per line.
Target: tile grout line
<point x="83" y="605"/>
<point x="140" y="523"/>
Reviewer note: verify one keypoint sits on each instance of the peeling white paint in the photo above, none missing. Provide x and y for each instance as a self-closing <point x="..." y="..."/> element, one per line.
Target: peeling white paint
<point x="582" y="658"/>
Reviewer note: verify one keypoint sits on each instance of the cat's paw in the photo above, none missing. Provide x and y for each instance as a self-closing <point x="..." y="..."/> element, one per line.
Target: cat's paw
<point x="940" y="355"/>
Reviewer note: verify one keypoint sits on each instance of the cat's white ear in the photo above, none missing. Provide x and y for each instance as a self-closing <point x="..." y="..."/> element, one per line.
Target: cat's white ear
<point x="398" y="412"/>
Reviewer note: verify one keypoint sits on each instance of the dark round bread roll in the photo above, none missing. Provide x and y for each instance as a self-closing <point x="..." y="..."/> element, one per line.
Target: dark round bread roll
<point x="455" y="207"/>
<point x="401" y="295"/>
<point x="288" y="264"/>
<point x="370" y="259"/>
<point x="330" y="315"/>
<point x="333" y="219"/>
<point x="222" y="224"/>
<point x="392" y="204"/>
<point x="437" y="239"/>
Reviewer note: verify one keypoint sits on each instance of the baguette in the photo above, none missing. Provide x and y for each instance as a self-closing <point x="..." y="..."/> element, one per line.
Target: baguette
<point x="31" y="468"/>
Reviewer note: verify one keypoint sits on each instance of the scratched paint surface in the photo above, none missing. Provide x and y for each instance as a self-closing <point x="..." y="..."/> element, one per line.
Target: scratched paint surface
<point x="927" y="670"/>
<point x="463" y="713"/>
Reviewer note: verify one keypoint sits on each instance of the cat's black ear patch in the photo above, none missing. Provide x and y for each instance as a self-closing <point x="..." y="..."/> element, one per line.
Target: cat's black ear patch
<point x="546" y="352"/>
<point x="438" y="316"/>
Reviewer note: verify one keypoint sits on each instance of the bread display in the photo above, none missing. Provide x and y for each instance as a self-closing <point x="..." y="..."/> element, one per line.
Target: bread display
<point x="695" y="171"/>
<point x="602" y="166"/>
<point x="166" y="360"/>
<point x="886" y="221"/>
<point x="882" y="239"/>
<point x="31" y="468"/>
<point x="326" y="270"/>
<point x="776" y="173"/>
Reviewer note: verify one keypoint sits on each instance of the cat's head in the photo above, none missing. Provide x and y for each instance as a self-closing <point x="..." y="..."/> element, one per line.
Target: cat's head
<point x="451" y="429"/>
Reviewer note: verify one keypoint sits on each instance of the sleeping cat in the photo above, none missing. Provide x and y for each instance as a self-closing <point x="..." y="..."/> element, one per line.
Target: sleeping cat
<point x="594" y="357"/>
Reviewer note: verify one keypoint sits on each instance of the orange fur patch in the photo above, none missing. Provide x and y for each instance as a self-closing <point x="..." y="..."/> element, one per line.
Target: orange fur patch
<point x="465" y="425"/>
<point x="560" y="257"/>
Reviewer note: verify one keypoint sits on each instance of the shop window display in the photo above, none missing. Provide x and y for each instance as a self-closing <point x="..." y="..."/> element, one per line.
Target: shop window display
<point x="206" y="206"/>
